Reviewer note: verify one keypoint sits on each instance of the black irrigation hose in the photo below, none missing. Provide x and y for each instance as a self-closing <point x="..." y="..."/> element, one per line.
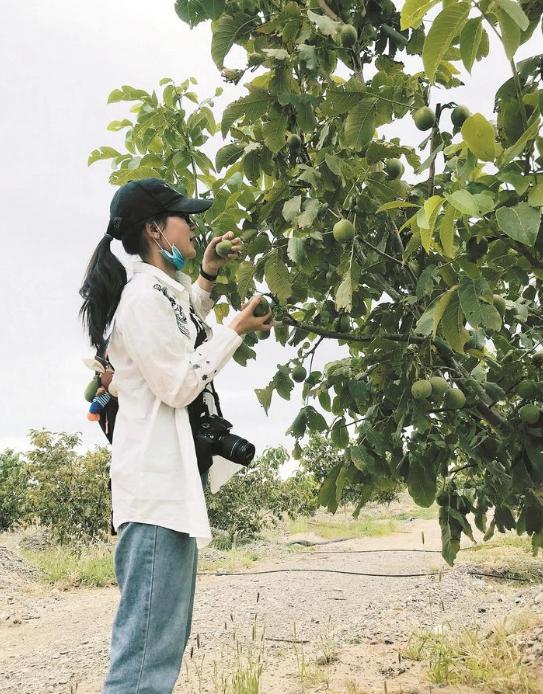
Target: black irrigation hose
<point x="364" y="551"/>
<point x="334" y="571"/>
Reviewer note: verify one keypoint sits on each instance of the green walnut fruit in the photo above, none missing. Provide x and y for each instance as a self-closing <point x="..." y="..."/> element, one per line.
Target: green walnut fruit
<point x="262" y="308"/>
<point x="499" y="303"/>
<point x="537" y="359"/>
<point x="476" y="248"/>
<point x="223" y="248"/>
<point x="439" y="386"/>
<point x="476" y="341"/>
<point x="248" y="235"/>
<point x="529" y="414"/>
<point x="343" y="323"/>
<point x="343" y="231"/>
<point x="421" y="389"/>
<point x="454" y="398"/>
<point x="424" y="118"/>
<point x="526" y="390"/>
<point x="459" y="115"/>
<point x="90" y="390"/>
<point x="292" y="10"/>
<point x="394" y="168"/>
<point x="294" y="142"/>
<point x="348" y="35"/>
<point x="299" y="374"/>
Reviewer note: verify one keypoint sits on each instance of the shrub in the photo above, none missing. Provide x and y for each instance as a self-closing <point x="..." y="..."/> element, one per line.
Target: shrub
<point x="14" y="476"/>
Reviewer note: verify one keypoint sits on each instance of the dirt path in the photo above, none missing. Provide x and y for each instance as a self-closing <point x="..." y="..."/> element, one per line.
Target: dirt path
<point x="52" y="640"/>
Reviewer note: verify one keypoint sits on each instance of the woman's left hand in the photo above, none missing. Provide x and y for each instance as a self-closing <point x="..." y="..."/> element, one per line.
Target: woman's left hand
<point x="211" y="262"/>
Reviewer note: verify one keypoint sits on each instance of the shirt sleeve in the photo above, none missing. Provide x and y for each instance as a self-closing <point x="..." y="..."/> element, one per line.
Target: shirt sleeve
<point x="174" y="371"/>
<point x="202" y="299"/>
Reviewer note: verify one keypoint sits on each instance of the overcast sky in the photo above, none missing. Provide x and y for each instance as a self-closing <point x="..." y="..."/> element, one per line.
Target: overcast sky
<point x="60" y="61"/>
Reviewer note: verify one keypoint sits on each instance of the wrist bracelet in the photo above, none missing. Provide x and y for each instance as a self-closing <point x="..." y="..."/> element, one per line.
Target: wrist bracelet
<point x="206" y="275"/>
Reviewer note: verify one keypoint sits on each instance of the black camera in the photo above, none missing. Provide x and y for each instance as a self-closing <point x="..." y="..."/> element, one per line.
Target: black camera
<point x="212" y="437"/>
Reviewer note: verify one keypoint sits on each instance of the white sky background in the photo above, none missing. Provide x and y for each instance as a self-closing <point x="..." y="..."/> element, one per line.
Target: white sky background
<point x="60" y="61"/>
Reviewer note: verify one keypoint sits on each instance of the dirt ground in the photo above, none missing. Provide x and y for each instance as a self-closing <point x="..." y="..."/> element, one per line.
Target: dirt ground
<point x="57" y="642"/>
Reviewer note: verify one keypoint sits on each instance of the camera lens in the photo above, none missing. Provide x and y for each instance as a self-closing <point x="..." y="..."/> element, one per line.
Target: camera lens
<point x="236" y="449"/>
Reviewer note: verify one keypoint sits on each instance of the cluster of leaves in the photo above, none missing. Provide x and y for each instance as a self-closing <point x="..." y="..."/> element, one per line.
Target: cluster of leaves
<point x="408" y="293"/>
<point x="67" y="493"/>
<point x="256" y="497"/>
<point x="54" y="486"/>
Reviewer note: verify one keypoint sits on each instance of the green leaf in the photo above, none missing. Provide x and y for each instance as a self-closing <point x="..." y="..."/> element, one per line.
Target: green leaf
<point x="296" y="251"/>
<point x="119" y="124"/>
<point x="470" y="38"/>
<point x="340" y="101"/>
<point x="298" y="426"/>
<point x="430" y="319"/>
<point x="344" y="293"/>
<point x="277" y="276"/>
<point x="464" y="202"/>
<point x="478" y="134"/>
<point x="327" y="493"/>
<point x="395" y="204"/>
<point x="311" y="209"/>
<point x="274" y="132"/>
<point x="518" y="147"/>
<point x="102" y="153"/>
<point x="225" y="31"/>
<point x="339" y="434"/>
<point x="283" y="384"/>
<point x="326" y="25"/>
<point x="244" y="277"/>
<point x="535" y="195"/>
<point x="315" y="420"/>
<point x="251" y="107"/>
<point x="446" y="231"/>
<point x="478" y="312"/>
<point x="520" y="223"/>
<point x="291" y="208"/>
<point x="227" y="155"/>
<point x="510" y="34"/>
<point x="360" y="124"/>
<point x="413" y="11"/>
<point x="264" y="396"/>
<point x="515" y="11"/>
<point x="448" y="23"/>
<point x="452" y="325"/>
<point x="421" y="483"/>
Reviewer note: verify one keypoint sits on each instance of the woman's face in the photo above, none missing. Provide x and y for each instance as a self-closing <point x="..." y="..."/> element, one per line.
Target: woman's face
<point x="180" y="230"/>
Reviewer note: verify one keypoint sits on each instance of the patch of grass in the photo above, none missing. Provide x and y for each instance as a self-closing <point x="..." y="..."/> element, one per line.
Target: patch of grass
<point x="509" y="555"/>
<point x="470" y="657"/>
<point x="65" y="568"/>
<point x="331" y="527"/>
<point x="232" y="559"/>
<point x="417" y="512"/>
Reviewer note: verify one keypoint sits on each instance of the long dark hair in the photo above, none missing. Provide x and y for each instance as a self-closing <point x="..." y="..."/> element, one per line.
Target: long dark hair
<point x="105" y="278"/>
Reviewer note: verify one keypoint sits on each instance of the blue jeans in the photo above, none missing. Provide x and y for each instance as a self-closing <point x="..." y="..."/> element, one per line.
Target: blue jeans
<point x="156" y="573"/>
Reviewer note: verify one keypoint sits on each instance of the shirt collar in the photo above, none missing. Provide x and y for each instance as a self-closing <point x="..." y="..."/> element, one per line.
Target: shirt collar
<point x="182" y="282"/>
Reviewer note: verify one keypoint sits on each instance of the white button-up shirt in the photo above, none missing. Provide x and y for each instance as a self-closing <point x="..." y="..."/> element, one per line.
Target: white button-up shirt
<point x="154" y="471"/>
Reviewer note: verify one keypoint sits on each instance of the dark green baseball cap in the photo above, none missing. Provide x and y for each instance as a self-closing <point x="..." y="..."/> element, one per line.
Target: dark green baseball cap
<point x="138" y="200"/>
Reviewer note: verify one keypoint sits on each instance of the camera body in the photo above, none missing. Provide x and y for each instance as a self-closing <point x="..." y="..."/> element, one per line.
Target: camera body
<point x="212" y="437"/>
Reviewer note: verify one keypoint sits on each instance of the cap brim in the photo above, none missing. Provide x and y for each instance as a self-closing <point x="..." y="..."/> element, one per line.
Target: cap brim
<point x="190" y="205"/>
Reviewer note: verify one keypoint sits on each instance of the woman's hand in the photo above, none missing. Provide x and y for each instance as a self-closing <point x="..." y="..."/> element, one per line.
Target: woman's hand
<point x="245" y="321"/>
<point x="212" y="262"/>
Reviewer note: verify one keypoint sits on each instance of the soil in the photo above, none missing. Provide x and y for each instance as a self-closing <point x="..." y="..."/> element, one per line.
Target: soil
<point x="57" y="642"/>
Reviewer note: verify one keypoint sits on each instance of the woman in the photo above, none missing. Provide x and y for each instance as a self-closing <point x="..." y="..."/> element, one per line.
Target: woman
<point x="165" y="356"/>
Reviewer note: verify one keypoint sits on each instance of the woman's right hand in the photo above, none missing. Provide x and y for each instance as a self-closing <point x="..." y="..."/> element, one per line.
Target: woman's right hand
<point x="245" y="321"/>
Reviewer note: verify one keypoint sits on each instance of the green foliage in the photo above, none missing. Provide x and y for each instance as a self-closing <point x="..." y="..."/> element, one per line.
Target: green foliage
<point x="410" y="245"/>
<point x="68" y="493"/>
<point x="256" y="497"/>
<point x="14" y="476"/>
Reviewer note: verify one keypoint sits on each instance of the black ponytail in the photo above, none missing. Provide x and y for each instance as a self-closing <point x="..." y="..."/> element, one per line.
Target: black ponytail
<point x="105" y="279"/>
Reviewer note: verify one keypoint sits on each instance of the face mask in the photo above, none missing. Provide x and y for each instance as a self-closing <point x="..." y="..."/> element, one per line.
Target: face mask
<point x="176" y="258"/>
